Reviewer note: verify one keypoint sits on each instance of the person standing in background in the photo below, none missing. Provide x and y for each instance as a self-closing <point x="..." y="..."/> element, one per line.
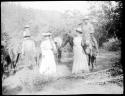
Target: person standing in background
<point x="48" y="61"/>
<point x="89" y="42"/>
<point x="28" y="50"/>
<point x="80" y="63"/>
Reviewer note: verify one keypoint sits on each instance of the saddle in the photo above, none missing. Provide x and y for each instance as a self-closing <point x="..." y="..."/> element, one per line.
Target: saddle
<point x="89" y="48"/>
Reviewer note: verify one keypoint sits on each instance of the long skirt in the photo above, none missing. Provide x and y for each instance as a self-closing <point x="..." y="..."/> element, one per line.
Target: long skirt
<point x="48" y="63"/>
<point x="80" y="63"/>
<point x="28" y="60"/>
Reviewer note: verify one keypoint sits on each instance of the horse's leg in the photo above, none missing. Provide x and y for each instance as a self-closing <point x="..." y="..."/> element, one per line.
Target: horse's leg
<point x="92" y="62"/>
<point x="12" y="64"/>
<point x="14" y="67"/>
<point x="16" y="60"/>
<point x="89" y="59"/>
<point x="39" y="55"/>
<point x="36" y="60"/>
<point x="59" y="55"/>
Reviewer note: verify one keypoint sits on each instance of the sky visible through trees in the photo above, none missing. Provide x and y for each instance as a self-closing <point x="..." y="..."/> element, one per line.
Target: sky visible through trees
<point x="59" y="17"/>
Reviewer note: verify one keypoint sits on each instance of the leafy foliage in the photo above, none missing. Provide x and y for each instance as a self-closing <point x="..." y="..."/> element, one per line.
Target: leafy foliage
<point x="14" y="17"/>
<point x="112" y="45"/>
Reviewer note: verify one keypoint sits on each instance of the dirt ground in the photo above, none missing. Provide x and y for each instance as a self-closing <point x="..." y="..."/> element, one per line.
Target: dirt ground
<point x="98" y="81"/>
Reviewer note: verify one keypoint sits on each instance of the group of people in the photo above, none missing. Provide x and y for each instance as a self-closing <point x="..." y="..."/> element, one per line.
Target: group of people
<point x="45" y="58"/>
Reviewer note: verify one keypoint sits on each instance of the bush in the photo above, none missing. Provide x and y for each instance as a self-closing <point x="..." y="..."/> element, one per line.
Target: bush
<point x="112" y="45"/>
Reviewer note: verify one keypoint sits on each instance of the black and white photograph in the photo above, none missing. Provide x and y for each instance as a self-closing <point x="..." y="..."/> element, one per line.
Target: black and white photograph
<point x="61" y="47"/>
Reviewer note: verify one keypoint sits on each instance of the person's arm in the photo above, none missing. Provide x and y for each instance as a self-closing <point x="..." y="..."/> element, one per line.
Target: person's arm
<point x="82" y="43"/>
<point x="83" y="40"/>
<point x="22" y="50"/>
<point x="53" y="45"/>
<point x="96" y="44"/>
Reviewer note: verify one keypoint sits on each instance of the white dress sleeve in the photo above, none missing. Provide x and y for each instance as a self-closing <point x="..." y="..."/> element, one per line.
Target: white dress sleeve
<point x="22" y="50"/>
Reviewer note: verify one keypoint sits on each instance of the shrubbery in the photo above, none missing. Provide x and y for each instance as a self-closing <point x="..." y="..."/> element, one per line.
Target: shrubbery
<point x="112" y="45"/>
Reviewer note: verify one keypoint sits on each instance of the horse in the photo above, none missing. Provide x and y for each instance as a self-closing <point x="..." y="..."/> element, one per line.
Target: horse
<point x="61" y="43"/>
<point x="94" y="52"/>
<point x="67" y="39"/>
<point x="15" y="56"/>
<point x="91" y="49"/>
<point x="5" y="61"/>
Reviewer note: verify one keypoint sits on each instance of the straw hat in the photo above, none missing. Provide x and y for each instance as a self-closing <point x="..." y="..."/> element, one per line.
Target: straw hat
<point x="79" y="30"/>
<point x="89" y="19"/>
<point x="27" y="26"/>
<point x="47" y="34"/>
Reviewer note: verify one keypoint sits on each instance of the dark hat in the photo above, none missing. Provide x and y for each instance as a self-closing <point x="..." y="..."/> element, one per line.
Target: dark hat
<point x="79" y="31"/>
<point x="89" y="19"/>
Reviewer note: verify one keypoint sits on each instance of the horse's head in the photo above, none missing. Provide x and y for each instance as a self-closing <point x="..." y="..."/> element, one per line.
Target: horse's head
<point x="58" y="41"/>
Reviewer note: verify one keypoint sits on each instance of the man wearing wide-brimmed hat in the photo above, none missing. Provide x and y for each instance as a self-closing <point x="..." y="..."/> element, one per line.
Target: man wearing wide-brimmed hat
<point x="89" y="31"/>
<point x="28" y="50"/>
<point x="87" y="25"/>
<point x="90" y="44"/>
<point x="48" y="61"/>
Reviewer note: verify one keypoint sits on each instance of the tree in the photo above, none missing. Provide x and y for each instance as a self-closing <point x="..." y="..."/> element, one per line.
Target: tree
<point x="108" y="19"/>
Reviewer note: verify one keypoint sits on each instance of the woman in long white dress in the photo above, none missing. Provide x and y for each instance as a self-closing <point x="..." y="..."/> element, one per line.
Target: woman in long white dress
<point x="80" y="63"/>
<point x="47" y="62"/>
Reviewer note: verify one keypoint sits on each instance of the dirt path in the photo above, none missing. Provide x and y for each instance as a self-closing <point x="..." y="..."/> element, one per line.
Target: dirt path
<point x="96" y="82"/>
